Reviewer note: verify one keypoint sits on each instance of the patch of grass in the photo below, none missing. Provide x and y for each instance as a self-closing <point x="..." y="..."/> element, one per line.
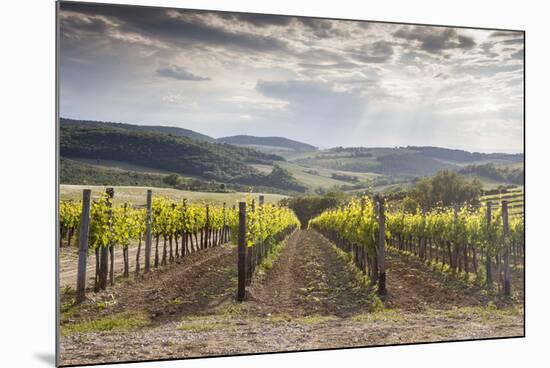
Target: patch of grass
<point x="386" y="315"/>
<point x="68" y="305"/>
<point x="268" y="264"/>
<point x="69" y="309"/>
<point x="361" y="280"/>
<point x="279" y="318"/>
<point x="117" y="322"/>
<point x="198" y="324"/>
<point x="196" y="327"/>
<point x="375" y="303"/>
<point x="176" y="301"/>
<point x="67" y="291"/>
<point x="269" y="261"/>
<point x="103" y="304"/>
<point x="486" y="313"/>
<point x="315" y="319"/>
<point x="231" y="309"/>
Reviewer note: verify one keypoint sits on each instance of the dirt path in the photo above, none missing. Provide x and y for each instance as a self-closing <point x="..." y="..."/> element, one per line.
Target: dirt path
<point x="309" y="299"/>
<point x="308" y="279"/>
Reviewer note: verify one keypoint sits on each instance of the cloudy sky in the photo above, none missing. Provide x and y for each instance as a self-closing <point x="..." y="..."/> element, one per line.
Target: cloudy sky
<point x="324" y="82"/>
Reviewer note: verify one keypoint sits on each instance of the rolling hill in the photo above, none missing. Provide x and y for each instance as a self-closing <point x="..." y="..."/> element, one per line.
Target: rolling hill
<point x="402" y="161"/>
<point x="268" y="143"/>
<point x="127" y="154"/>
<point x="178" y="132"/>
<point x="222" y="163"/>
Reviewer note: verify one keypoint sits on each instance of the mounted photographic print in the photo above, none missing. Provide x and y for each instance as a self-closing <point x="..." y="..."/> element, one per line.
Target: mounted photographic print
<point x="235" y="183"/>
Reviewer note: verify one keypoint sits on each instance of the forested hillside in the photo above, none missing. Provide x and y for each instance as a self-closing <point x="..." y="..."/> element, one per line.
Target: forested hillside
<point x="222" y="163"/>
<point x="180" y="132"/>
<point x="279" y="142"/>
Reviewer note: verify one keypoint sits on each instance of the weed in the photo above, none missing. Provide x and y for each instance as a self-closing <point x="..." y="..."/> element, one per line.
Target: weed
<point x="386" y="315"/>
<point x="117" y="322"/>
<point x="176" y="301"/>
<point x="197" y="324"/>
<point x="316" y="319"/>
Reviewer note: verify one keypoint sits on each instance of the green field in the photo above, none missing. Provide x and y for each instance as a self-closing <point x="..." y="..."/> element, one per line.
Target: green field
<point x="514" y="198"/>
<point x="121" y="166"/>
<point x="321" y="179"/>
<point x="137" y="195"/>
<point x="487" y="183"/>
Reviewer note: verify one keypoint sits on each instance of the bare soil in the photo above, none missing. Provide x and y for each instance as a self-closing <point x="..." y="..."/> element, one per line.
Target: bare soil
<point x="68" y="262"/>
<point x="309" y="299"/>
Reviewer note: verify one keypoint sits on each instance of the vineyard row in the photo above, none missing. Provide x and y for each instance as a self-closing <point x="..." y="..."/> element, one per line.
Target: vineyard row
<point x="183" y="229"/>
<point x="482" y="242"/>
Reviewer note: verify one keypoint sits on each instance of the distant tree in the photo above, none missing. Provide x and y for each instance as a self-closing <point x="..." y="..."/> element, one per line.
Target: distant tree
<point x="320" y="191"/>
<point x="279" y="177"/>
<point x="410" y="205"/>
<point x="172" y="180"/>
<point x="445" y="188"/>
<point x="309" y="206"/>
<point x="497" y="173"/>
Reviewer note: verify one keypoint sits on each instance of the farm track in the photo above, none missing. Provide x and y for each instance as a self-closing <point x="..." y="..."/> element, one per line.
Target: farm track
<point x="307" y="300"/>
<point x="308" y="279"/>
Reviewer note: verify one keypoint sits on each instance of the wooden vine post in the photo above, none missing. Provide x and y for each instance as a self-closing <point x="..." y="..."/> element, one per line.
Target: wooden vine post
<point x="125" y="250"/>
<point x="104" y="253"/>
<point x="83" y="247"/>
<point x="381" y="247"/>
<point x="250" y="252"/>
<point x="489" y="264"/>
<point x="261" y="252"/>
<point x="241" y="254"/>
<point x="364" y="259"/>
<point x="148" y="231"/>
<point x="207" y="228"/>
<point x="423" y="240"/>
<point x="455" y="251"/>
<point x="224" y="226"/>
<point x="505" y="229"/>
<point x="184" y="235"/>
<point x="111" y="193"/>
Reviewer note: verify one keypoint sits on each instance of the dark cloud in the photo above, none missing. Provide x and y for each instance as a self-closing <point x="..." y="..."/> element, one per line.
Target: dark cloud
<point x="514" y="41"/>
<point x="175" y="26"/>
<point x="86" y="24"/>
<point x="434" y="39"/>
<point x="507" y="38"/>
<point x="259" y="20"/>
<point x="415" y="58"/>
<point x="322" y="28"/>
<point x="377" y="52"/>
<point x="487" y="48"/>
<point x="342" y="65"/>
<point x="317" y="54"/>
<point x="500" y="34"/>
<point x="179" y="73"/>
